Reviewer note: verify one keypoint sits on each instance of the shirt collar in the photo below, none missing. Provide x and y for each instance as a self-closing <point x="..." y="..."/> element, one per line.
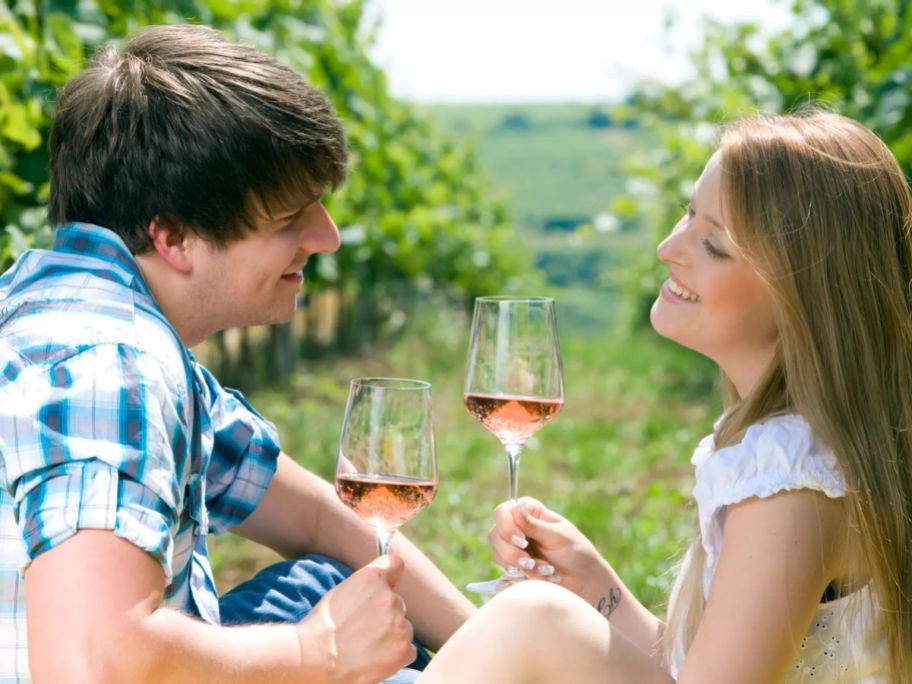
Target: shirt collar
<point x="89" y="240"/>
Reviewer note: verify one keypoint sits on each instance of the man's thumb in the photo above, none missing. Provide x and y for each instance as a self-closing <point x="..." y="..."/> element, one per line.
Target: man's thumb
<point x="392" y="565"/>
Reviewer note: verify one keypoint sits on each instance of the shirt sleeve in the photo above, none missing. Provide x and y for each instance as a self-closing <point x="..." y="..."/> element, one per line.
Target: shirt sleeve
<point x="89" y="443"/>
<point x="780" y="454"/>
<point x="244" y="453"/>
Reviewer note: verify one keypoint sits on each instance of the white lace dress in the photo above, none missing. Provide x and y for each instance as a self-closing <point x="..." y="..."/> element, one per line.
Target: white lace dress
<point x="843" y="644"/>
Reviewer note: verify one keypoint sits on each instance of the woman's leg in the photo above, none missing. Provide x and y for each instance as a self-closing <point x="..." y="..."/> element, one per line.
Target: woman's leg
<point x="538" y="633"/>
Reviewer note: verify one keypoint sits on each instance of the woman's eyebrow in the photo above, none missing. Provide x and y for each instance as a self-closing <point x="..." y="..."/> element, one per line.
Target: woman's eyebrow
<point x="713" y="221"/>
<point x="708" y="217"/>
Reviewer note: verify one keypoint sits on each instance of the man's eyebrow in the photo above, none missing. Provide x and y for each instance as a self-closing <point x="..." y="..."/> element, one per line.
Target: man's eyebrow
<point x="289" y="212"/>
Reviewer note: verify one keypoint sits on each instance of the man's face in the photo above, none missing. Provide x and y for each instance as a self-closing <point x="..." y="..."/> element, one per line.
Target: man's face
<point x="256" y="280"/>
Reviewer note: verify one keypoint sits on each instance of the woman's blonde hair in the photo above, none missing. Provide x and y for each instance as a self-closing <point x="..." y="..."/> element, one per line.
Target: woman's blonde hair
<point x="821" y="208"/>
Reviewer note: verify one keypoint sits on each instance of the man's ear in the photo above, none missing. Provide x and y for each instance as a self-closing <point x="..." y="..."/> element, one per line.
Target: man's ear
<point x="173" y="243"/>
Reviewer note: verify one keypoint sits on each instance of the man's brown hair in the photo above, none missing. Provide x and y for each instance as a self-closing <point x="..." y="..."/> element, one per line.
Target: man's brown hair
<point x="183" y="126"/>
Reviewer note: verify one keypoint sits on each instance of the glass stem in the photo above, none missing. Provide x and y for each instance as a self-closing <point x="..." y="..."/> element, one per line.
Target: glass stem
<point x="513" y="452"/>
<point x="383" y="540"/>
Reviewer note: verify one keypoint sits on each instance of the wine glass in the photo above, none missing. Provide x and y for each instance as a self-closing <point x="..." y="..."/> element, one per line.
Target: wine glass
<point x="514" y="381"/>
<point x="386" y="469"/>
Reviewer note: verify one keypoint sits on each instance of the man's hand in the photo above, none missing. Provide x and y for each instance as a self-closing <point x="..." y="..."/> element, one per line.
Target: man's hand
<point x="362" y="624"/>
<point x="95" y="617"/>
<point x="300" y="514"/>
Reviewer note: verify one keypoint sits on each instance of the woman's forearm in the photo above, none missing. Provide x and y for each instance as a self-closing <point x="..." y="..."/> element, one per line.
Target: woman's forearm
<point x="608" y="594"/>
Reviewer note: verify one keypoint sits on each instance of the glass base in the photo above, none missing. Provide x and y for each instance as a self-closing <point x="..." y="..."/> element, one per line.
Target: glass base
<point x="495" y="586"/>
<point x="404" y="676"/>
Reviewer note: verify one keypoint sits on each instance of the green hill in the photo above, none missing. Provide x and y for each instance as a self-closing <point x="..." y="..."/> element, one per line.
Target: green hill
<point x="558" y="167"/>
<point x="552" y="163"/>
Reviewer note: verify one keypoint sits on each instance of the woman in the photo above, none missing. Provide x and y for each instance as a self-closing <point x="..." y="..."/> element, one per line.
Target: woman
<point x="791" y="270"/>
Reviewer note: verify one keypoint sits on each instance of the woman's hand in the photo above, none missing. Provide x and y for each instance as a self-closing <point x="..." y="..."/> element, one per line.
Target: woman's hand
<point x="529" y="536"/>
<point x="547" y="546"/>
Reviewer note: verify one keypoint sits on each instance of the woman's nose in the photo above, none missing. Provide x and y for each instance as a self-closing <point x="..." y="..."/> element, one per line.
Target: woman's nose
<point x="672" y="248"/>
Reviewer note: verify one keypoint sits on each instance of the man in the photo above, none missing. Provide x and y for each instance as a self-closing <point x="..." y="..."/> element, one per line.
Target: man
<point x="186" y="176"/>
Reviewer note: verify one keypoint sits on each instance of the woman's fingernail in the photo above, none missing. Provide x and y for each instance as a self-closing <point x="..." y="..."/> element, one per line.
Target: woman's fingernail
<point x="524" y="507"/>
<point x="545" y="569"/>
<point x="526" y="563"/>
<point x="555" y="579"/>
<point x="519" y="541"/>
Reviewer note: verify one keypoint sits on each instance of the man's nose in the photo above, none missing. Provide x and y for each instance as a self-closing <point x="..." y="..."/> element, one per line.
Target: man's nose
<point x="323" y="236"/>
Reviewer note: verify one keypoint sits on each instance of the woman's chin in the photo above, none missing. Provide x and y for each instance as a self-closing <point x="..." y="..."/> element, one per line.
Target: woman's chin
<point x="656" y="319"/>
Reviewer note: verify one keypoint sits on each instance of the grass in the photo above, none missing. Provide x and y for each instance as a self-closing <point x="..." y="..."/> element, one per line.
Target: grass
<point x="615" y="461"/>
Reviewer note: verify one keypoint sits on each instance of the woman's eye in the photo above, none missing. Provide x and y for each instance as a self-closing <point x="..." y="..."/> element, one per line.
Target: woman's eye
<point x="688" y="209"/>
<point x="714" y="251"/>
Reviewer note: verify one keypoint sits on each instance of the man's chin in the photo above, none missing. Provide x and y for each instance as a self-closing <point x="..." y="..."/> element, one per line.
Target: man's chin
<point x="276" y="319"/>
<point x="267" y="317"/>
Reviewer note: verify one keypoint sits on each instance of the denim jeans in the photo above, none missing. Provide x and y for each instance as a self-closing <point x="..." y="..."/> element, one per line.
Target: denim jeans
<point x="287" y="591"/>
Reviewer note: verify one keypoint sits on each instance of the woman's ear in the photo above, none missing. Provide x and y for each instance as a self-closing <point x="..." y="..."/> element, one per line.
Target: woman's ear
<point x="173" y="243"/>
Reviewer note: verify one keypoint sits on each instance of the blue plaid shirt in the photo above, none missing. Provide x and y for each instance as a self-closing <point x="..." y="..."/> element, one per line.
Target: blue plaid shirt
<point x="107" y="422"/>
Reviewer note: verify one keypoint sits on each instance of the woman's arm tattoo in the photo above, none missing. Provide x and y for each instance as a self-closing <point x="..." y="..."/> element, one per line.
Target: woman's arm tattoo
<point x="607" y="604"/>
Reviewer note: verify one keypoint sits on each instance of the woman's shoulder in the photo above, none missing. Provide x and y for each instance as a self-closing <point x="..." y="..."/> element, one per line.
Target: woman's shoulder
<point x="779" y="453"/>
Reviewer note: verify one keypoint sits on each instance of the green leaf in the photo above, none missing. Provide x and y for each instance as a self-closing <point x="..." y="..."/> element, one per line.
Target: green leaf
<point x="18" y="128"/>
<point x="14" y="183"/>
<point x="624" y="207"/>
<point x="64" y="41"/>
<point x="8" y="46"/>
<point x="18" y="241"/>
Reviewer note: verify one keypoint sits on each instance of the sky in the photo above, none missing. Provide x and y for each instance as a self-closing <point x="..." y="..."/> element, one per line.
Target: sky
<point x="438" y="51"/>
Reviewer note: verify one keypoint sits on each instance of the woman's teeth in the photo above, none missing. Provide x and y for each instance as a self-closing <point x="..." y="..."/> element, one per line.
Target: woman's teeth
<point x="682" y="292"/>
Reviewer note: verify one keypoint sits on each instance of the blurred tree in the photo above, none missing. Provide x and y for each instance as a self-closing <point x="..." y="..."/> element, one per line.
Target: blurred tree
<point x="515" y="122"/>
<point x="599" y="118"/>
<point x="415" y="215"/>
<point x="854" y="56"/>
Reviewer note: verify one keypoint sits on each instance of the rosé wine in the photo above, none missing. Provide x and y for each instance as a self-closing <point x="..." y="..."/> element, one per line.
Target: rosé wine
<point x="513" y="419"/>
<point x="385" y="501"/>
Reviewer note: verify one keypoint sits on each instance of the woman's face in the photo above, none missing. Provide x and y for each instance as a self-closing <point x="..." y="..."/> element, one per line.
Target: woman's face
<point x="714" y="302"/>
